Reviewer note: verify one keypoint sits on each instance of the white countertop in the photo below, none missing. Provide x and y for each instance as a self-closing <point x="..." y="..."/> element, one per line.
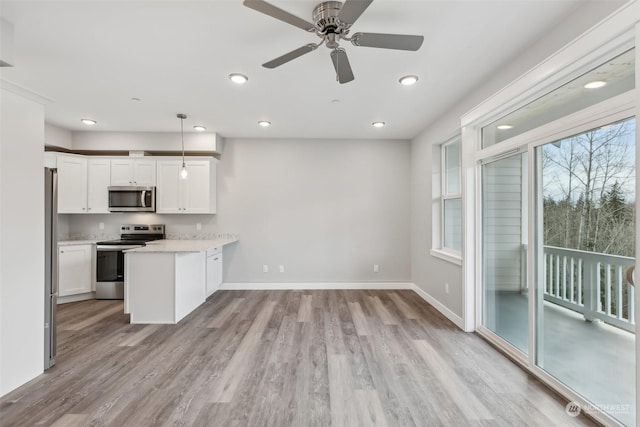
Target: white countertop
<point x="76" y="242"/>
<point x="181" y="245"/>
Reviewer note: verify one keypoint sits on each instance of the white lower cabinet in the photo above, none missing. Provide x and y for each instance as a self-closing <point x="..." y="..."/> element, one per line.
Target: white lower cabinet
<point x="75" y="269"/>
<point x="214" y="270"/>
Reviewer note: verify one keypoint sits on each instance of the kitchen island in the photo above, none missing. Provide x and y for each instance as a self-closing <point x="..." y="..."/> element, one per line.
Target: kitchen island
<point x="168" y="279"/>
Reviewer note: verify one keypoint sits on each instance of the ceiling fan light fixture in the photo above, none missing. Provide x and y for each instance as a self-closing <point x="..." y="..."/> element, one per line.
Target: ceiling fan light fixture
<point x="238" y="78"/>
<point x="504" y="127"/>
<point x="408" y="80"/>
<point x="378" y="124"/>
<point x="200" y="128"/>
<point x="595" y="84"/>
<point x="88" y="122"/>
<point x="264" y="123"/>
<point x="183" y="171"/>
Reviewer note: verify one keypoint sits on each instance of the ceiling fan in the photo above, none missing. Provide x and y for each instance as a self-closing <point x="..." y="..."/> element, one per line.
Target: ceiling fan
<point x="332" y="21"/>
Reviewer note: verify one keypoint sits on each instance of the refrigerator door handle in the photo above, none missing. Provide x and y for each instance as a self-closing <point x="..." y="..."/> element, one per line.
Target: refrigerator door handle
<point x="54" y="339"/>
<point x="54" y="234"/>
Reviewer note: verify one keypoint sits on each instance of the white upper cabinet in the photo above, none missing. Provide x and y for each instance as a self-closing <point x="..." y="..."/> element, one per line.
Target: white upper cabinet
<point x="195" y="195"/>
<point x="136" y="172"/>
<point x="83" y="184"/>
<point x="72" y="184"/>
<point x="98" y="181"/>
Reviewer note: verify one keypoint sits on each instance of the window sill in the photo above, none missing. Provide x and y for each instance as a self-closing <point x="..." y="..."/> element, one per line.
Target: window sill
<point x="447" y="256"/>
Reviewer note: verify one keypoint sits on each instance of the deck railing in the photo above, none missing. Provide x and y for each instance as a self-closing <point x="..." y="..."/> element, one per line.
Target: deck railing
<point x="590" y="283"/>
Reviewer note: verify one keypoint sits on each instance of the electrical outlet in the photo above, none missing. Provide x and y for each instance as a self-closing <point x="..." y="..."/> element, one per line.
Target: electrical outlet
<point x="198" y="226"/>
<point x="282" y="269"/>
<point x="265" y="268"/>
<point x="376" y="268"/>
<point x="446" y="288"/>
<point x="101" y="226"/>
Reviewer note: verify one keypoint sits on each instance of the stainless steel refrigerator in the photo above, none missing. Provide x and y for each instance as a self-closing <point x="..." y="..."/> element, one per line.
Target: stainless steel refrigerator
<point x="50" y="264"/>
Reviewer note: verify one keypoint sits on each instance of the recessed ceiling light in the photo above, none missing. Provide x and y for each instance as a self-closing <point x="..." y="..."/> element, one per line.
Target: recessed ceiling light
<point x="378" y="124"/>
<point x="504" y="127"/>
<point x="200" y="128"/>
<point x="264" y="123"/>
<point x="238" y="78"/>
<point x="408" y="80"/>
<point x="595" y="84"/>
<point x="88" y="122"/>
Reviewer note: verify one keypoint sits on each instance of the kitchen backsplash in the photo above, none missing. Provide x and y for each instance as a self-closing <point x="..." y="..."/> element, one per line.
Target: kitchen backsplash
<point x="87" y="227"/>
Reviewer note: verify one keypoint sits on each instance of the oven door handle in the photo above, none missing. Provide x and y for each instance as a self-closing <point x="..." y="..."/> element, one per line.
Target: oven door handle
<point x="116" y="248"/>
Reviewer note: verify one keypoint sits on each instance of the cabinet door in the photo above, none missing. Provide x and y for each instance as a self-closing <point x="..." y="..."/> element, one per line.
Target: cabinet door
<point x="168" y="198"/>
<point x="144" y="173"/>
<point x="72" y="184"/>
<point x="99" y="179"/>
<point x="196" y="188"/>
<point x="122" y="172"/>
<point x="214" y="273"/>
<point x="74" y="273"/>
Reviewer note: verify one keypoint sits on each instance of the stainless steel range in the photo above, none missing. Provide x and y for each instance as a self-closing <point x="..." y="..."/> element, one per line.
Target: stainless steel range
<point x="110" y="262"/>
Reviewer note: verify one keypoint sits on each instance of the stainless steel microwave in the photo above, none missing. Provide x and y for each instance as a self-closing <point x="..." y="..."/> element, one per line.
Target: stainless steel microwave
<point x="132" y="199"/>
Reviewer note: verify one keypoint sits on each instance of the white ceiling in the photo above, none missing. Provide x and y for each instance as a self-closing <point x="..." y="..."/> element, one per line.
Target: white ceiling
<point x="92" y="57"/>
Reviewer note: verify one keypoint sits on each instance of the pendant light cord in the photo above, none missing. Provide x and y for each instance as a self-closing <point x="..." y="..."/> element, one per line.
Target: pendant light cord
<point x="182" y="137"/>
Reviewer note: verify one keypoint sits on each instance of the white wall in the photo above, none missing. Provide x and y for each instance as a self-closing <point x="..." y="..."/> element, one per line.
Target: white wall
<point x="429" y="273"/>
<point x="55" y="136"/>
<point x="21" y="241"/>
<point x="325" y="209"/>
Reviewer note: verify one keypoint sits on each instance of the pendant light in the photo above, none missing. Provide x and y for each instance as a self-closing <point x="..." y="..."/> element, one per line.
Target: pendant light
<point x="183" y="171"/>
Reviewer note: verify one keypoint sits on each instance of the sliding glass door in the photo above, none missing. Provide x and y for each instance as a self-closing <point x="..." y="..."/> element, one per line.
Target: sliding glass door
<point x="585" y="335"/>
<point x="504" y="241"/>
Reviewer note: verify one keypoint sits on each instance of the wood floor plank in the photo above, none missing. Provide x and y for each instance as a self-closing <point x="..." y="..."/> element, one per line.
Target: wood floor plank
<point x="387" y="317"/>
<point x="343" y="410"/>
<point x="91" y="320"/>
<point x="239" y="363"/>
<point x="280" y="358"/>
<point x="407" y="311"/>
<point x="72" y="420"/>
<point x="459" y="392"/>
<point x="369" y="408"/>
<point x="224" y="315"/>
<point x="359" y="319"/>
<point x="305" y="310"/>
<point x="137" y="337"/>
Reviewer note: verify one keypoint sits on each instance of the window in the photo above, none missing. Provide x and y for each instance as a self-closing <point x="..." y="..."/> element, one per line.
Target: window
<point x="448" y="220"/>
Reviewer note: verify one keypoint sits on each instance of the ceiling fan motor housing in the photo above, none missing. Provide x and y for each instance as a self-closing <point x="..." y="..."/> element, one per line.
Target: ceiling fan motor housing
<point x="325" y="18"/>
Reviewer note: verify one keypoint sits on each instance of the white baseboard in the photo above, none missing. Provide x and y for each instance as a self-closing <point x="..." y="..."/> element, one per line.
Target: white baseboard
<point x="316" y="285"/>
<point x="457" y="320"/>
<point x="77" y="297"/>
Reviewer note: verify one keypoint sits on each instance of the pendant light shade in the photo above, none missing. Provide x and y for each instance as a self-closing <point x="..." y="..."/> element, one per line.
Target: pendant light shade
<point x="183" y="172"/>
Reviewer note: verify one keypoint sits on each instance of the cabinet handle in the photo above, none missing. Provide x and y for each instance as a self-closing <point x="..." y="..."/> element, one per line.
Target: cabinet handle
<point x="61" y="252"/>
<point x="215" y="259"/>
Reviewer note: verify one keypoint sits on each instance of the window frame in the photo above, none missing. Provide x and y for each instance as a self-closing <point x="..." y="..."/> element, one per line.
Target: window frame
<point x="439" y="249"/>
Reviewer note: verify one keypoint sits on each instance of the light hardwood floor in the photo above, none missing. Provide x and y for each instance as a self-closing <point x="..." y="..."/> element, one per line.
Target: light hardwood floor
<point x="280" y="358"/>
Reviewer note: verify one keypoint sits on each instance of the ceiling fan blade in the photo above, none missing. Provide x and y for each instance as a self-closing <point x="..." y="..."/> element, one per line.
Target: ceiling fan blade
<point x="290" y="56"/>
<point x="276" y="12"/>
<point x="352" y="9"/>
<point x="387" y="41"/>
<point x="341" y="64"/>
